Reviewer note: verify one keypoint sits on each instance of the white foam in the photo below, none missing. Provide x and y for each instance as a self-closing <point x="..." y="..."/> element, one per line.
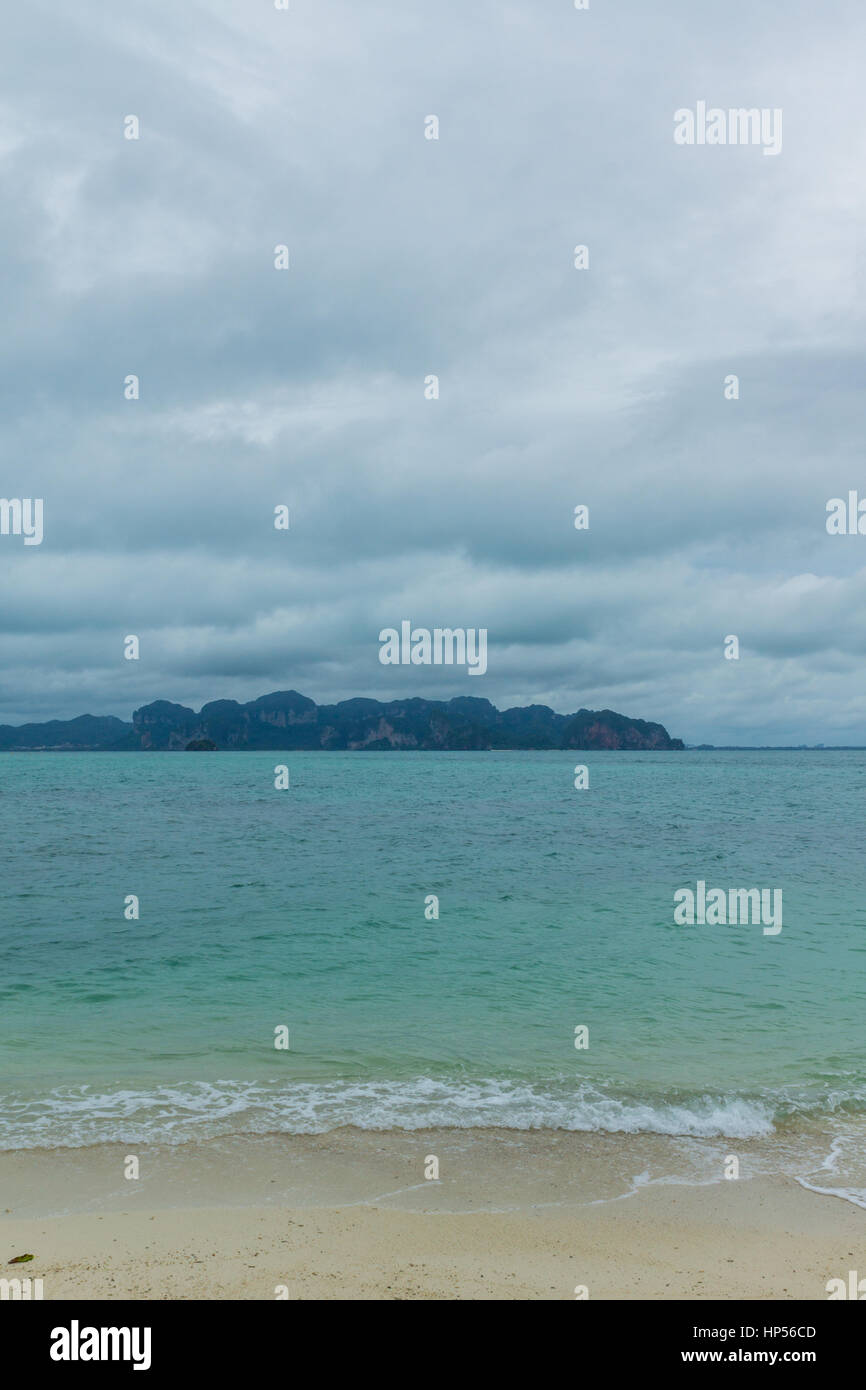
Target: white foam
<point x="857" y="1195"/>
<point x="74" y="1116"/>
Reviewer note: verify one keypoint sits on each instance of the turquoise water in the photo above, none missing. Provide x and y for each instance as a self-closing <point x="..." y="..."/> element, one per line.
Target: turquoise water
<point x="305" y="908"/>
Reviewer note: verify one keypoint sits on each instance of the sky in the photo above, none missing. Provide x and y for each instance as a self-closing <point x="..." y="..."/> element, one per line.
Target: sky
<point x="411" y="257"/>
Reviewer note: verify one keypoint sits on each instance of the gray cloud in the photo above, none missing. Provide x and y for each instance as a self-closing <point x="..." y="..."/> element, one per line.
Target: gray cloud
<point x="451" y="257"/>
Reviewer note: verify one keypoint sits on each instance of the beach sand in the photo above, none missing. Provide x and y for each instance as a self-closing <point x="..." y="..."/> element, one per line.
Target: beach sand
<point x="349" y="1215"/>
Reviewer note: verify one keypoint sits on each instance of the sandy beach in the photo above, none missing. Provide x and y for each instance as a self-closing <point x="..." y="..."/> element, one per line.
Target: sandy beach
<point x="312" y="1218"/>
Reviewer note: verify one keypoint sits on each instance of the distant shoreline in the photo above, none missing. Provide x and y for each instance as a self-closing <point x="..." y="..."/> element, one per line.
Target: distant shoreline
<point x="286" y="721"/>
<point x="292" y="748"/>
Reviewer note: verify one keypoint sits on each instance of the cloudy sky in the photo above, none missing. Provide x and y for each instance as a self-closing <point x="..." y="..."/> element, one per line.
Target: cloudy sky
<point x="410" y="257"/>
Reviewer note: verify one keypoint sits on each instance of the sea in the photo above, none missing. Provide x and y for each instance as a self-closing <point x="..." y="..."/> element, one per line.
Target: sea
<point x="408" y="940"/>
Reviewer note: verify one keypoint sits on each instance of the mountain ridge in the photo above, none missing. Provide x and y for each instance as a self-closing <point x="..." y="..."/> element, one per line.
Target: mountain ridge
<point x="286" y="719"/>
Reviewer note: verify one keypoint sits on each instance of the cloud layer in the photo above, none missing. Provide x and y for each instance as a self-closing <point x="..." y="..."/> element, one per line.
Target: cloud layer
<point x="454" y="257"/>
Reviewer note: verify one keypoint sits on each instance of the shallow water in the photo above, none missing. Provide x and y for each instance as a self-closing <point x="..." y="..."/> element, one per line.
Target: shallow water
<point x="305" y="908"/>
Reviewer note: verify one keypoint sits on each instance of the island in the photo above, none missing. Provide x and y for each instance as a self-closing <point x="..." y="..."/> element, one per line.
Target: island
<point x="286" y="720"/>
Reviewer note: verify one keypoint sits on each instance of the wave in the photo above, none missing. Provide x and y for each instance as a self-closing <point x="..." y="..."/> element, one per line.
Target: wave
<point x="178" y="1113"/>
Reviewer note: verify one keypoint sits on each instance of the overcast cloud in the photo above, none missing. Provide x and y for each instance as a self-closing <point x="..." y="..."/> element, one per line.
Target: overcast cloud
<point x="455" y="257"/>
